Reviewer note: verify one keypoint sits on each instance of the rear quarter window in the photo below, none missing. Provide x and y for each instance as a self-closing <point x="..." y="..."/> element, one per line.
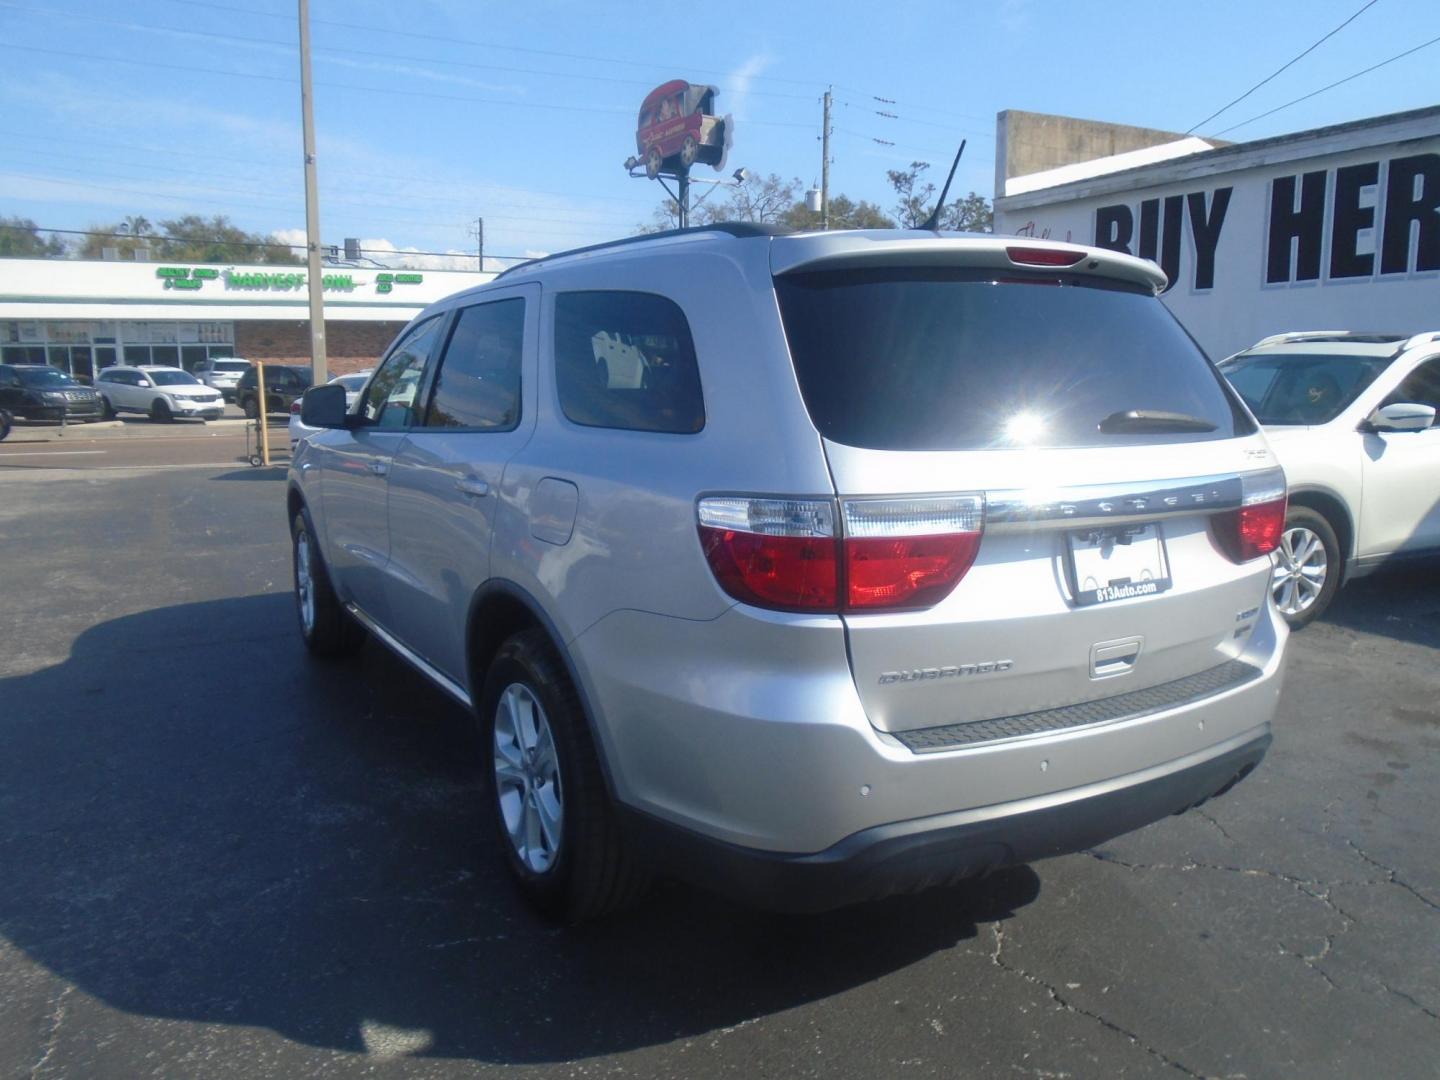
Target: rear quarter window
<point x="953" y="359"/>
<point x="626" y="360"/>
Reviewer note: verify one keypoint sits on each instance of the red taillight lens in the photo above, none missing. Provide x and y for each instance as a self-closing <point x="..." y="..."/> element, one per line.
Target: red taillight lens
<point x="1254" y="529"/>
<point x="774" y="553"/>
<point x="295" y="407"/>
<point x="896" y="554"/>
<point x="1028" y="256"/>
<point x="908" y="553"/>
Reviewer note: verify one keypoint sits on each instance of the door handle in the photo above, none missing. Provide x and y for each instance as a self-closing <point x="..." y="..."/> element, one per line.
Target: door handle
<point x="379" y="468"/>
<point x="473" y="486"/>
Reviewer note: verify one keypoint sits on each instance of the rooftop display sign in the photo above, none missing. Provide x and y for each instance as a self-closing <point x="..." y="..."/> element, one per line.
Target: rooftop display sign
<point x="193" y="278"/>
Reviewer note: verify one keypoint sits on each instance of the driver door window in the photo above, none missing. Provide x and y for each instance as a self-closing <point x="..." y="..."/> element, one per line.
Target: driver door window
<point x="1420" y="387"/>
<point x="391" y="399"/>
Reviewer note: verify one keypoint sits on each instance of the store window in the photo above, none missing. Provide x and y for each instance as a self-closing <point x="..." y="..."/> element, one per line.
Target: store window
<point x="135" y="355"/>
<point x="169" y="355"/>
<point x="192" y="356"/>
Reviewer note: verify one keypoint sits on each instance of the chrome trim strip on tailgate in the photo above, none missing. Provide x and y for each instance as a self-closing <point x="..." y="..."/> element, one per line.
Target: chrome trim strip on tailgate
<point x="1096" y="504"/>
<point x="413" y="658"/>
<point x="1128" y="706"/>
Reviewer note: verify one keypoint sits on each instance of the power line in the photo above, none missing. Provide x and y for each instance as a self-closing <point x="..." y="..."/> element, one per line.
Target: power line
<point x="1363" y="8"/>
<point x="1331" y="86"/>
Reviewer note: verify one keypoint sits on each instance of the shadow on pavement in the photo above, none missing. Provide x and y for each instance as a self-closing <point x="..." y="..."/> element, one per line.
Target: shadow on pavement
<point x="202" y="824"/>
<point x="256" y="472"/>
<point x="1400" y="602"/>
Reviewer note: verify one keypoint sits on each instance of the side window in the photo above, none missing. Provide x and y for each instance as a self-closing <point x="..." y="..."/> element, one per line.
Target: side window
<point x="626" y="360"/>
<point x="390" y="401"/>
<point x="1420" y="387"/>
<point x="8" y="378"/>
<point x="478" y="385"/>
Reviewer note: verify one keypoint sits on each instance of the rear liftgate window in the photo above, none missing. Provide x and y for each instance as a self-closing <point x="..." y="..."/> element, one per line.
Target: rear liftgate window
<point x="949" y="359"/>
<point x="626" y="360"/>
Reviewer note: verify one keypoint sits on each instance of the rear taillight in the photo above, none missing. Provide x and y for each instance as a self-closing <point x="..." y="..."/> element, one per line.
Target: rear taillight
<point x="1254" y="529"/>
<point x="295" y="407"/>
<point x="908" y="553"/>
<point x="889" y="554"/>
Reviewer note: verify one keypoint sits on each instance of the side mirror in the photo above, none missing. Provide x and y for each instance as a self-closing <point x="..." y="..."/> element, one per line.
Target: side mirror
<point x="1401" y="416"/>
<point x="323" y="406"/>
<point x="145" y="382"/>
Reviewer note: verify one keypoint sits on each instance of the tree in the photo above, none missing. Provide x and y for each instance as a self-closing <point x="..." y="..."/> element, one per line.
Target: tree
<point x="190" y="238"/>
<point x="971" y="213"/>
<point x="763" y="200"/>
<point x="20" y="239"/>
<point x="845" y="213"/>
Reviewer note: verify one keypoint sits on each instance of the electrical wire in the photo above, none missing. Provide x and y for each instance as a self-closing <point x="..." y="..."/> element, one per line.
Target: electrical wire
<point x="1331" y="86"/>
<point x="1363" y="8"/>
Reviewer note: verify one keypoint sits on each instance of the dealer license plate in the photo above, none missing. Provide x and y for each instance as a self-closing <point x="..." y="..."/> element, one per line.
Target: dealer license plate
<point x="1116" y="563"/>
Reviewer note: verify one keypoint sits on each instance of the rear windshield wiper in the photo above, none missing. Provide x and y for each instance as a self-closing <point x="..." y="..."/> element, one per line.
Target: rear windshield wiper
<point x="1152" y="421"/>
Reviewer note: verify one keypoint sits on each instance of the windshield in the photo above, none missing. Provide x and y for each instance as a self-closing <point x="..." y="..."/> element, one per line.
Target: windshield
<point x="953" y="359"/>
<point x="1305" y="390"/>
<point x="46" y="376"/>
<point x="351" y="383"/>
<point x="230" y="365"/>
<point x="174" y="378"/>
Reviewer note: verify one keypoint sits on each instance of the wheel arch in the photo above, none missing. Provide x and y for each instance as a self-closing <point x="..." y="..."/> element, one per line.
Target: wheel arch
<point x="500" y="609"/>
<point x="1333" y="509"/>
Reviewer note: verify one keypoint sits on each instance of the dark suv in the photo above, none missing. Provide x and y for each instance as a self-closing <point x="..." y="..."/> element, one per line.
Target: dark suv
<point x="283" y="386"/>
<point x="42" y="392"/>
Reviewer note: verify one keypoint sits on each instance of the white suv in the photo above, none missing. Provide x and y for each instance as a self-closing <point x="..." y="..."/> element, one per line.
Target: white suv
<point x="1352" y="418"/>
<point x="163" y="393"/>
<point x="222" y="373"/>
<point x="810" y="567"/>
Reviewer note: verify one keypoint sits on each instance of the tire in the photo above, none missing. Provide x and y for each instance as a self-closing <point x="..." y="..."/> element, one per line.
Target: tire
<point x="1308" y="567"/>
<point x="583" y="869"/>
<point x="251" y="411"/>
<point x="160" y="412"/>
<point x="325" y="626"/>
<point x="689" y="151"/>
<point x="5" y="424"/>
<point x="107" y="411"/>
<point x="653" y="162"/>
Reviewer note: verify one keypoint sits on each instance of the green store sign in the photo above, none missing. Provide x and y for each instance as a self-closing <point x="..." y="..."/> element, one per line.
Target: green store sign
<point x="195" y="277"/>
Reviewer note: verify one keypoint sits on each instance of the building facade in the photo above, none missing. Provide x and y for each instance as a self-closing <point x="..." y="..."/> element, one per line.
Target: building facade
<point x="82" y="316"/>
<point x="1332" y="229"/>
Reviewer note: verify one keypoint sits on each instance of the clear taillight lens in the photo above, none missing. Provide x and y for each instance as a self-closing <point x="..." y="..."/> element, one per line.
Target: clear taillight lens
<point x="893" y="555"/>
<point x="1254" y="529"/>
<point x="908" y="553"/>
<point x="774" y="553"/>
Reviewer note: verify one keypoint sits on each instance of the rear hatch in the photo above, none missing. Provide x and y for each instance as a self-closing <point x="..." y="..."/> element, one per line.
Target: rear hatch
<point x="1115" y="490"/>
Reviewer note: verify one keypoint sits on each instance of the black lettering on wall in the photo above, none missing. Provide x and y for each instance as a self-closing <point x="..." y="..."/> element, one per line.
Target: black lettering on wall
<point x="1174" y="222"/>
<point x="1149" y="229"/>
<point x="1349" y="218"/>
<point x="1404" y="206"/>
<point x="1205" y="231"/>
<point x="1114" y="225"/>
<point x="1304" y="226"/>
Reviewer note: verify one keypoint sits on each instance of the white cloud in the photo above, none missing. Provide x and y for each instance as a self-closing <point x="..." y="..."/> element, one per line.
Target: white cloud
<point x="737" y="93"/>
<point x="409" y="258"/>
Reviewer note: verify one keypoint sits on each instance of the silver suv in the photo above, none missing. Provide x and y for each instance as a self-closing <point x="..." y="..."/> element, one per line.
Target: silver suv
<point x="809" y="568"/>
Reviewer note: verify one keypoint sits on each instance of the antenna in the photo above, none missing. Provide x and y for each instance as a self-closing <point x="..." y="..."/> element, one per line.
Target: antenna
<point x="932" y="223"/>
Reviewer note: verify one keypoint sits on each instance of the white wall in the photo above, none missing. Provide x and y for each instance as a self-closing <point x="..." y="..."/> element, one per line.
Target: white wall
<point x="1242" y="305"/>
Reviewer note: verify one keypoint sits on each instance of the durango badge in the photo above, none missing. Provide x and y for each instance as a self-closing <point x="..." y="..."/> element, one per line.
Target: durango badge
<point x="989" y="667"/>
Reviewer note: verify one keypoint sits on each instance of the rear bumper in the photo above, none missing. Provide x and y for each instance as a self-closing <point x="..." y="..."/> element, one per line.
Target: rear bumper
<point x="907" y="856"/>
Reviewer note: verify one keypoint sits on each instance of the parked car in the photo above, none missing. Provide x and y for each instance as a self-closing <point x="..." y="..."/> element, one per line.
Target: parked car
<point x="1352" y="418"/>
<point x="42" y="392"/>
<point x="283" y="385"/>
<point x="909" y="557"/>
<point x="353" y="384"/>
<point x="222" y="373"/>
<point x="163" y="393"/>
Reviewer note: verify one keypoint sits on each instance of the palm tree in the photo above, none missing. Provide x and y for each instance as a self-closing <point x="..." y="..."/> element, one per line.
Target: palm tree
<point x="135" y="225"/>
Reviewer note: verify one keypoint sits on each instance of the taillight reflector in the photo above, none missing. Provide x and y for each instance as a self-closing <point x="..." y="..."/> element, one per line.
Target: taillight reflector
<point x="894" y="554"/>
<point x="1254" y="529"/>
<point x="1028" y="256"/>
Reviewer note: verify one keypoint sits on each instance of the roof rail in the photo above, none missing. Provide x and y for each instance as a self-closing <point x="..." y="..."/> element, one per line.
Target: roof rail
<point x="1369" y="337"/>
<point x="740" y="229"/>
<point x="1421" y="339"/>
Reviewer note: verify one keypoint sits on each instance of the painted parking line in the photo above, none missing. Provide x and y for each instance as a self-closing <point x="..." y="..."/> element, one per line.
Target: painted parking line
<point x="49" y="453"/>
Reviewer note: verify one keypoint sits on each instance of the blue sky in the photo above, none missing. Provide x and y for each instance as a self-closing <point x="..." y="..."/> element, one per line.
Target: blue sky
<point x="434" y="112"/>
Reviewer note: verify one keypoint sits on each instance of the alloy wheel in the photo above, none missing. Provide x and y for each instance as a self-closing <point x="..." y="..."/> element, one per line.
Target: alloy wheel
<point x="1301" y="566"/>
<point x="304" y="583"/>
<point x="527" y="778"/>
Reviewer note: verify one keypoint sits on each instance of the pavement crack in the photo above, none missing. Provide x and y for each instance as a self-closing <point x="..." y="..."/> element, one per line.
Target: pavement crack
<point x="1410" y="1000"/>
<point x="57" y="1017"/>
<point x="1062" y="1002"/>
<point x="1218" y="827"/>
<point x="1392" y="876"/>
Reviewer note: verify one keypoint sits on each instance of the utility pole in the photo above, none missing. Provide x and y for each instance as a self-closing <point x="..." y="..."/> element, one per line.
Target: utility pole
<point x="825" y="165"/>
<point x="318" y="371"/>
<point x="480" y="239"/>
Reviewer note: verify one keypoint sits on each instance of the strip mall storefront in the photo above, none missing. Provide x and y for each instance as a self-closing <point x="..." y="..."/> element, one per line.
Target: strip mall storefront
<point x="85" y="316"/>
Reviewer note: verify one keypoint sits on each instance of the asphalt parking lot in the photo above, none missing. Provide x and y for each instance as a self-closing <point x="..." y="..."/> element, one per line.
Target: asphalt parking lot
<point x="218" y="858"/>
